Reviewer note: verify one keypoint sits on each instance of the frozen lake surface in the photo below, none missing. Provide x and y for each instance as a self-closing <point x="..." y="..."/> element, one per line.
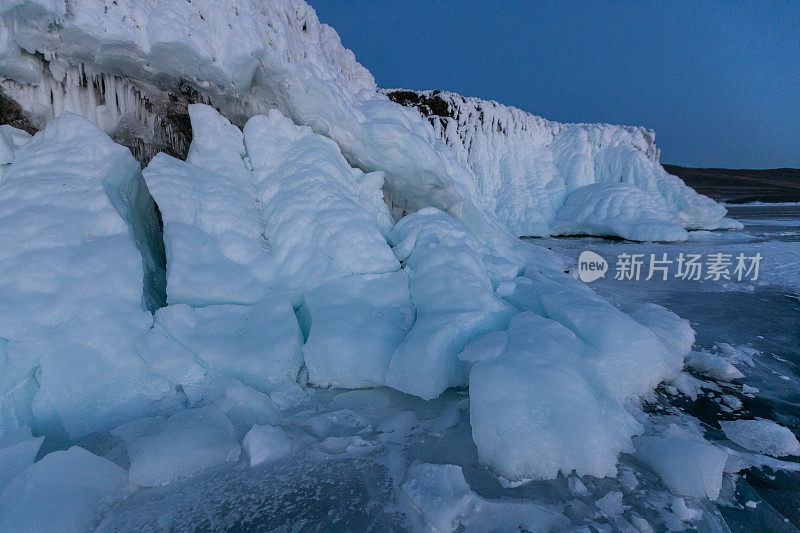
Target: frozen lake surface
<point x="350" y="469"/>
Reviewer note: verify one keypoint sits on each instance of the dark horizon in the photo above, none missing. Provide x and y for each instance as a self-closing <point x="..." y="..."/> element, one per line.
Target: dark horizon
<point x="718" y="82"/>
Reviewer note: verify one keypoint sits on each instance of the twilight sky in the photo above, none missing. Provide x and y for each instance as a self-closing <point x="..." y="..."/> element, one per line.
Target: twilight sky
<point x="719" y="82"/>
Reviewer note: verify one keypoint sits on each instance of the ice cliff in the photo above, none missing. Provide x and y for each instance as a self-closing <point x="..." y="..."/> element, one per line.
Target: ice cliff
<point x="258" y="251"/>
<point x="541" y="177"/>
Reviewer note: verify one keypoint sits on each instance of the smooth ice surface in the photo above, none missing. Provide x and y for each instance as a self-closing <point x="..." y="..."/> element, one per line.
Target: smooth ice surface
<point x="762" y="436"/>
<point x="61" y="492"/>
<point x="163" y="449"/>
<point x="687" y="466"/>
<point x="266" y="444"/>
<point x="257" y="344"/>
<point x="356" y="324"/>
<point x="78" y="271"/>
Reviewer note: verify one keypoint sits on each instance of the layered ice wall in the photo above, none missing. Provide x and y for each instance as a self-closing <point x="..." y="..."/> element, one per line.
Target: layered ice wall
<point x="546" y="178"/>
<point x="79" y="268"/>
<point x="133" y="67"/>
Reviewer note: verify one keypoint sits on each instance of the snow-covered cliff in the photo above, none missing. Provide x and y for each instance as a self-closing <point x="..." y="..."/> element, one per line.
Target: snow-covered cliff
<point x="540" y="177"/>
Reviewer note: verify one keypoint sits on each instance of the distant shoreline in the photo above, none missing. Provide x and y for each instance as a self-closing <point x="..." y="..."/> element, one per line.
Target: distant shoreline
<point x="742" y="186"/>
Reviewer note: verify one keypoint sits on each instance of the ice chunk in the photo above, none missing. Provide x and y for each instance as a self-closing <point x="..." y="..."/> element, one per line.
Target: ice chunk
<point x="616" y="210"/>
<point x="687" y="466"/>
<point x="266" y="444"/>
<point x="17" y="456"/>
<point x="357" y="323"/>
<point x="713" y="366"/>
<point x="444" y="502"/>
<point x="79" y="267"/>
<point x="258" y="345"/>
<point x="762" y="436"/>
<point x="674" y="332"/>
<point x="630" y="357"/>
<point x="245" y="406"/>
<point x="454" y="301"/>
<point x="61" y="492"/>
<point x="163" y="449"/>
<point x="272" y="209"/>
<point x="439" y="492"/>
<point x="538" y="409"/>
<point x="611" y="504"/>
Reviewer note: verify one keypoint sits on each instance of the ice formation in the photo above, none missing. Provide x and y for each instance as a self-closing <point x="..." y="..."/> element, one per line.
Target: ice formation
<point x="762" y="436"/>
<point x="178" y="312"/>
<point x="542" y="178"/>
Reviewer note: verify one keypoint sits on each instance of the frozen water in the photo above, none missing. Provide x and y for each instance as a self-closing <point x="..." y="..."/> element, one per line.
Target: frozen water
<point x="356" y="324"/>
<point x="61" y="492"/>
<point x="539" y="409"/>
<point x="79" y="268"/>
<point x="546" y="178"/>
<point x="264" y="444"/>
<point x="454" y="300"/>
<point x="163" y="449"/>
<point x="762" y="436"/>
<point x="689" y="467"/>
<point x="258" y="345"/>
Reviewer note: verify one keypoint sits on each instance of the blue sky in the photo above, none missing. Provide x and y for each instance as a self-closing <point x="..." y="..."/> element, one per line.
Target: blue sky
<point x="719" y="82"/>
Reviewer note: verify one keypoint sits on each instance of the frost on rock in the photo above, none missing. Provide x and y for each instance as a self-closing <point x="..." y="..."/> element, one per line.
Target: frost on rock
<point x="61" y="492"/>
<point x="162" y="449"/>
<point x="79" y="268"/>
<point x="543" y="178"/>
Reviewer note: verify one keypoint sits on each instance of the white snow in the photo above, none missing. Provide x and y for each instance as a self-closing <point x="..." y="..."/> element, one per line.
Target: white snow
<point x="163" y="449"/>
<point x="61" y="492"/>
<point x="266" y="444"/>
<point x="762" y="436"/>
